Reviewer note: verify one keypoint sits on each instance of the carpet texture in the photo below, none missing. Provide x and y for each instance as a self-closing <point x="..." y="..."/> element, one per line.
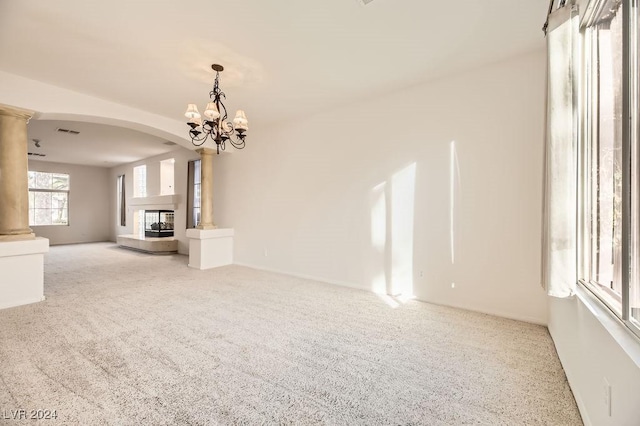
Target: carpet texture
<point x="126" y="338"/>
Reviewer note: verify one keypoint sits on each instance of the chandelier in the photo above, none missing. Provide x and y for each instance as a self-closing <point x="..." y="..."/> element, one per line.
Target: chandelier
<point x="215" y="124"/>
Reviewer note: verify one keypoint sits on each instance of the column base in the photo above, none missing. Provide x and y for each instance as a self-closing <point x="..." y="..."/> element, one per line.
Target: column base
<point x="22" y="266"/>
<point x="201" y="226"/>
<point x="210" y="248"/>
<point x="17" y="237"/>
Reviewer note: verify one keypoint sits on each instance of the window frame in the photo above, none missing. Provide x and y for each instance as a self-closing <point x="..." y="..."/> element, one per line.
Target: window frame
<point x="51" y="191"/>
<point x="140" y="181"/>
<point x="194" y="194"/>
<point x="121" y="201"/>
<point x="630" y="234"/>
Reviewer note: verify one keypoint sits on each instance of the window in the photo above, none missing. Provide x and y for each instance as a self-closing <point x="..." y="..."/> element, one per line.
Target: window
<point x="193" y="194"/>
<point x="140" y="181"/>
<point x="121" y="201"/>
<point x="603" y="156"/>
<point x="48" y="199"/>
<point x="632" y="293"/>
<point x="610" y="231"/>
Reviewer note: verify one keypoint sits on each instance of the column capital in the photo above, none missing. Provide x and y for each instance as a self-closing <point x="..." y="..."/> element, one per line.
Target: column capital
<point x="205" y="151"/>
<point x="10" y="111"/>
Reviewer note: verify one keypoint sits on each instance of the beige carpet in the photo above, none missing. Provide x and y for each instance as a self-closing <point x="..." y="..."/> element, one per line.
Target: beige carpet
<point x="130" y="339"/>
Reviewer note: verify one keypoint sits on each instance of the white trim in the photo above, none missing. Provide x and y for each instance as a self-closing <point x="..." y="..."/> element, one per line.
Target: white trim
<point x="207" y="234"/>
<point x="17" y="303"/>
<point x="501" y="314"/>
<point x="156" y="202"/>
<point x="624" y="337"/>
<point x="36" y="245"/>
<point x="304" y="276"/>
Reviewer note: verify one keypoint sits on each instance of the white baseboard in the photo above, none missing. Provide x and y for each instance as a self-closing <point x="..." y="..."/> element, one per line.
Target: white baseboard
<point x="304" y="276"/>
<point x="501" y="314"/>
<point x="17" y="303"/>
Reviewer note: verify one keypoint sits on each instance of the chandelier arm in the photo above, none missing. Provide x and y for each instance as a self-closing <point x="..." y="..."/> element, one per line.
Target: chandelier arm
<point x="202" y="140"/>
<point x="209" y="127"/>
<point x="237" y="143"/>
<point x="197" y="135"/>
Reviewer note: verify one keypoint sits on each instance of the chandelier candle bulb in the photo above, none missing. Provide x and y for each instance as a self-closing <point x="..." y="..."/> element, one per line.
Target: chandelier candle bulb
<point x="215" y="125"/>
<point x="241" y="122"/>
<point x="211" y="112"/>
<point x="192" y="111"/>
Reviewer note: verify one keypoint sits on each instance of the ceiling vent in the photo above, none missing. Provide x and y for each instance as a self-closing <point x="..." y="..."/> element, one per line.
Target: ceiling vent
<point x="36" y="154"/>
<point x="71" y="132"/>
<point x="170" y="143"/>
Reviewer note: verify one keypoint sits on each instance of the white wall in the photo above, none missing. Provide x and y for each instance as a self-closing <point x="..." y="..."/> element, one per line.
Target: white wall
<point x="182" y="156"/>
<point x="55" y="103"/>
<point x="593" y="347"/>
<point x="88" y="204"/>
<point x="333" y="196"/>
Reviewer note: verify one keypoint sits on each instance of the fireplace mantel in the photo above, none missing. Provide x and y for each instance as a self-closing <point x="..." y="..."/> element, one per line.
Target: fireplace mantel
<point x="156" y="202"/>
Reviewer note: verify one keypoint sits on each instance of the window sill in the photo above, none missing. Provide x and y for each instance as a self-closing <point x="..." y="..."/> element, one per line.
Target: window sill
<point x="626" y="339"/>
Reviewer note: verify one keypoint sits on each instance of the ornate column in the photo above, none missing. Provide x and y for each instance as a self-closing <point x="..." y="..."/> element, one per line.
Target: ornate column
<point x="14" y="185"/>
<point x="206" y="188"/>
<point x="209" y="247"/>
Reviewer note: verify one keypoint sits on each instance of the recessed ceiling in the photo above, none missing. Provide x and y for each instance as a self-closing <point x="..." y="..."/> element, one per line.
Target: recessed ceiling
<point x="282" y="58"/>
<point x="95" y="144"/>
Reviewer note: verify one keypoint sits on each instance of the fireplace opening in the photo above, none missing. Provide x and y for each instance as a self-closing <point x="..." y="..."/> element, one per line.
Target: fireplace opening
<point x="158" y="223"/>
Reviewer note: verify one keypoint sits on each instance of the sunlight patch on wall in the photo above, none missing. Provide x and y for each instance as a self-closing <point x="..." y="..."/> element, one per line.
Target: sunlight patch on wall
<point x="379" y="284"/>
<point x="378" y="206"/>
<point x="379" y="217"/>
<point x="392" y="216"/>
<point x="454" y="178"/>
<point x="402" y="211"/>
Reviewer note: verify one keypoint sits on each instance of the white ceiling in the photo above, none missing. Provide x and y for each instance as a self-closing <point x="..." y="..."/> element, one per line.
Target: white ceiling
<point x="282" y="58"/>
<point x="96" y="145"/>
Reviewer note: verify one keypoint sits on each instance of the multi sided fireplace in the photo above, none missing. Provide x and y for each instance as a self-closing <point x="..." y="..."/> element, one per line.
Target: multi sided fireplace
<point x="158" y="223"/>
